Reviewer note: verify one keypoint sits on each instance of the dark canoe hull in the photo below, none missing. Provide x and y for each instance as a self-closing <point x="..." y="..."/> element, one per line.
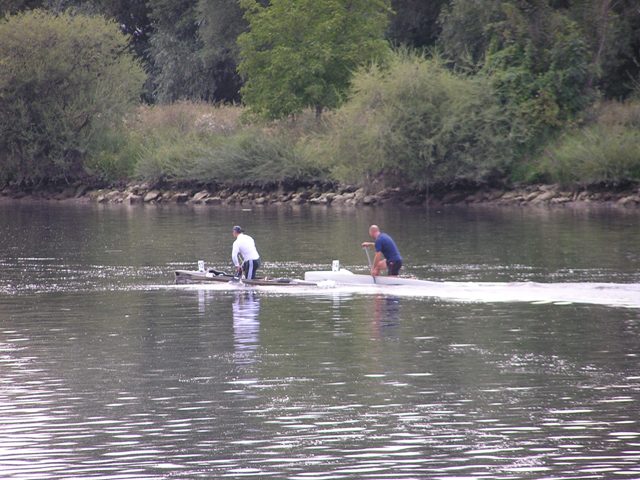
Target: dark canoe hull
<point x="194" y="276"/>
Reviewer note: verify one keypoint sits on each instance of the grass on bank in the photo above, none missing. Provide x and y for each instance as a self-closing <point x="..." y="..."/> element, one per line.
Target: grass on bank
<point x="200" y="143"/>
<point x="604" y="151"/>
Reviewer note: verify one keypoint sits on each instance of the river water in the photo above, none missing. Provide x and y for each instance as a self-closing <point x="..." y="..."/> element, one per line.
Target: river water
<point x="109" y="370"/>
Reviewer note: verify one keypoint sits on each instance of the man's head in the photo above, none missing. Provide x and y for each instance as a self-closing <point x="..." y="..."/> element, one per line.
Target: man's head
<point x="374" y="231"/>
<point x="237" y="230"/>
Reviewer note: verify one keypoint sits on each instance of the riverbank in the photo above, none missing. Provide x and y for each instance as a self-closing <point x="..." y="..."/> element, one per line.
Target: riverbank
<point x="341" y="195"/>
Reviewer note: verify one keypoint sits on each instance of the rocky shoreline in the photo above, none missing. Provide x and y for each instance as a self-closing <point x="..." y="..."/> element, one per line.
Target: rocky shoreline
<point x="350" y="196"/>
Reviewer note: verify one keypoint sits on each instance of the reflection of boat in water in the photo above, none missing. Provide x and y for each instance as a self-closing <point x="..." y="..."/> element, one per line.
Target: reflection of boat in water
<point x="246" y="323"/>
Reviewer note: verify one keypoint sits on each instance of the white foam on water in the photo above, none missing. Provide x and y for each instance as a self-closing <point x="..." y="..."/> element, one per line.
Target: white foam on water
<point x="560" y="294"/>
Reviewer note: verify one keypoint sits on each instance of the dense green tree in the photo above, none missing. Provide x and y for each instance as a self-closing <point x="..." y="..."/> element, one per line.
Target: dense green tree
<point x="415" y="22"/>
<point x="539" y="63"/>
<point x="15" y="6"/>
<point x="65" y="80"/>
<point x="301" y="53"/>
<point x="133" y="18"/>
<point x="221" y="23"/>
<point x="131" y="15"/>
<point x="179" y="71"/>
<point x="466" y="30"/>
<point x="533" y="52"/>
<point x="608" y="29"/>
<point x="611" y="30"/>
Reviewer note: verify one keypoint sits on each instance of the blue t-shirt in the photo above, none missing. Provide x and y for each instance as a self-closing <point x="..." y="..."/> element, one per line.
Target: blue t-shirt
<point x="386" y="245"/>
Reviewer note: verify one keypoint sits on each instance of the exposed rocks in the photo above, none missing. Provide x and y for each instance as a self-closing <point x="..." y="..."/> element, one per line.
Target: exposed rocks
<point x="200" y="197"/>
<point x="539" y="196"/>
<point x="369" y="200"/>
<point x="630" y="200"/>
<point x="133" y="198"/>
<point x="151" y="196"/>
<point x="181" y="197"/>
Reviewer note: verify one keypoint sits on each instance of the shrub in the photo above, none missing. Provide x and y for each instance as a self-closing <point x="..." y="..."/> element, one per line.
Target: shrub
<point x="116" y="155"/>
<point x="607" y="151"/>
<point x="64" y="81"/>
<point x="420" y="123"/>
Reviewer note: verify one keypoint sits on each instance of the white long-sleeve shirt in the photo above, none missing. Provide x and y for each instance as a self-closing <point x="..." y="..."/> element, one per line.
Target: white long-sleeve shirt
<point x="245" y="246"/>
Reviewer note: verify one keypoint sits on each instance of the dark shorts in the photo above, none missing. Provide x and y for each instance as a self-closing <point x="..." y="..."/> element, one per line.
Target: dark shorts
<point x="394" y="267"/>
<point x="249" y="268"/>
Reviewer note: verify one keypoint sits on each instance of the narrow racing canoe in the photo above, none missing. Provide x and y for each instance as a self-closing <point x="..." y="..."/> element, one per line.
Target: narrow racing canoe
<point x="195" y="276"/>
<point x="346" y="277"/>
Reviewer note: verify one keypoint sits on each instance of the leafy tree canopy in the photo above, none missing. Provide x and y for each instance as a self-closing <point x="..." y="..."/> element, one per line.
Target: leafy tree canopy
<point x="414" y="23"/>
<point x="301" y="53"/>
<point x="64" y="80"/>
<point x="221" y="23"/>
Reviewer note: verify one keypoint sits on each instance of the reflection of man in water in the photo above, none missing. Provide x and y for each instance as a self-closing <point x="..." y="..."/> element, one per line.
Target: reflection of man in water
<point x="246" y="325"/>
<point x="386" y="313"/>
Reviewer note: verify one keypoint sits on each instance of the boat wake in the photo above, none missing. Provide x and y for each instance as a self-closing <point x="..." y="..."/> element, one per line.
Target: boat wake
<point x="608" y="294"/>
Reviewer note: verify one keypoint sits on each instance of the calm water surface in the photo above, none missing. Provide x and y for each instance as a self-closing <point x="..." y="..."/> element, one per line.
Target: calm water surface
<point x="108" y="370"/>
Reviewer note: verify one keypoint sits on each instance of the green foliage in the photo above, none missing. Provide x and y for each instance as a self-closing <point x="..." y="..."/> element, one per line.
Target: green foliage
<point x="257" y="158"/>
<point x="221" y="23"/>
<point x="415" y="22"/>
<point x="175" y="49"/>
<point x="132" y="17"/>
<point x="249" y="157"/>
<point x="188" y="142"/>
<point x="525" y="72"/>
<point x="607" y="151"/>
<point x="116" y="153"/>
<point x="421" y="124"/>
<point x="301" y="53"/>
<point x="467" y="30"/>
<point x="611" y="29"/>
<point x="540" y="73"/>
<point x="15" y="6"/>
<point x="64" y="80"/>
<point x="535" y="56"/>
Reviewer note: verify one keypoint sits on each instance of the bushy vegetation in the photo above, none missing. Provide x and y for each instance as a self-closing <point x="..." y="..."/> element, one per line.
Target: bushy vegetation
<point x="605" y="151"/>
<point x="65" y="82"/>
<point x="202" y="144"/>
<point x="418" y="123"/>
<point x="542" y="75"/>
<point x="499" y="90"/>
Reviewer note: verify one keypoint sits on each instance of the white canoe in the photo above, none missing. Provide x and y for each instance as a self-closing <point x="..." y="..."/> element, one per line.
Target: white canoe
<point x="346" y="277"/>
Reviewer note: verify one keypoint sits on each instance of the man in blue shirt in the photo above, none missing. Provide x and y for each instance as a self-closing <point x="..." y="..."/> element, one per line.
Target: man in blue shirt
<point x="387" y="254"/>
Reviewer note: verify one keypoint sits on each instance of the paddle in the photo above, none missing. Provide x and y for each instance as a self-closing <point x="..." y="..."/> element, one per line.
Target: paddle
<point x="366" y="250"/>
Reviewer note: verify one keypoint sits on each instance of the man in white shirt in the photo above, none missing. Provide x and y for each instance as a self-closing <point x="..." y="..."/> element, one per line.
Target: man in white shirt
<point x="246" y="247"/>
